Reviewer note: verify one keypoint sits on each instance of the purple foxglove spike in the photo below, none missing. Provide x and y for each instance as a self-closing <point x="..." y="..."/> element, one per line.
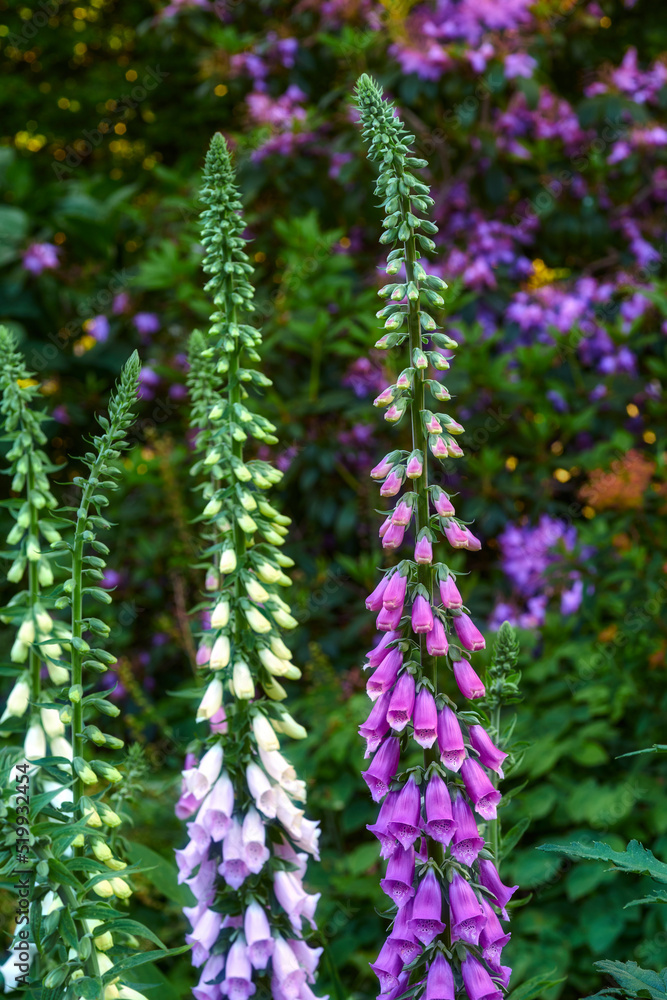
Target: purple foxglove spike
<point x="438" y="446"/>
<point x="218" y="721"/>
<point x="449" y="593"/>
<point x="477" y="981"/>
<point x="450" y="740"/>
<point x="388" y="620"/>
<point x="468" y="683"/>
<point x="466" y="914"/>
<point x="443" y="504"/>
<point x="403" y="514"/>
<point x="307" y="957"/>
<point x="424" y="551"/>
<point x="405" y="823"/>
<point x="440" y="980"/>
<point x="234" y="869"/>
<point x="384" y="527"/>
<point x="490" y="879"/>
<point x="484" y="796"/>
<point x="376" y="655"/>
<point x="402" y="702"/>
<point x="397" y="884"/>
<point x="258" y="936"/>
<point x="253" y="833"/>
<point x="393" y="536"/>
<point x="426" y="922"/>
<point x="382" y="469"/>
<point x="440" y="824"/>
<point x="204" y="936"/>
<point x="473" y="543"/>
<point x="402" y="936"/>
<point x="394" y="595"/>
<point x="469" y="635"/>
<point x="436" y="639"/>
<point x="415" y="467"/>
<point x="374" y="600"/>
<point x="493" y="938"/>
<point x="489" y="754"/>
<point x="422" y="615"/>
<point x="384" y="677"/>
<point x="425" y="719"/>
<point x="455" y="535"/>
<point x="467" y="842"/>
<point x="238" y="984"/>
<point x="392" y="483"/>
<point x="202" y="884"/>
<point x="380" y="828"/>
<point x="383" y="768"/>
<point x="375" y="728"/>
<point x="207" y="988"/>
<point x="188" y="859"/>
<point x="291" y="977"/>
<point x="388" y="966"/>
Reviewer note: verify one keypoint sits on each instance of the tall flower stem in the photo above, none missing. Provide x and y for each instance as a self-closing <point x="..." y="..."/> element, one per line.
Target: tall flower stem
<point x="445" y="930"/>
<point x="34" y="661"/>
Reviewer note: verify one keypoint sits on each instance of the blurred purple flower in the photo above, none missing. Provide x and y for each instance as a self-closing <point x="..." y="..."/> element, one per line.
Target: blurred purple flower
<point x="41" y="257"/>
<point x="146" y="324"/>
<point x="97" y="328"/>
<point x="121" y="304"/>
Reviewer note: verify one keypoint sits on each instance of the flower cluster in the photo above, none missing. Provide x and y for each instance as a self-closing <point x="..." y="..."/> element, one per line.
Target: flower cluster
<point x="440" y="874"/>
<point x="249" y="838"/>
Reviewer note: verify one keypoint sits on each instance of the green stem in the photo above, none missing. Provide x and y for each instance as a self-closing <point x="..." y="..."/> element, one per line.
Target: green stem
<point x="237" y="452"/>
<point x="33" y="587"/>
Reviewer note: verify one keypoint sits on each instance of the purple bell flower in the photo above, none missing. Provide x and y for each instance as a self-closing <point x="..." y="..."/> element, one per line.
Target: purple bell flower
<point x="258" y="936"/>
<point x="374" y="599"/>
<point x="383" y="768"/>
<point x="380" y="828"/>
<point x="384" y="677"/>
<point x="388" y="620"/>
<point x="234" y="869"/>
<point x="405" y="823"/>
<point x="467" y="680"/>
<point x="422" y="615"/>
<point x="450" y="740"/>
<point x="467" y="842"/>
<point x="388" y="966"/>
<point x="397" y="884"/>
<point x="440" y="824"/>
<point x="489" y="754"/>
<point x="449" y="593"/>
<point x="375" y="728"/>
<point x="376" y="655"/>
<point x="469" y="635"/>
<point x="394" y="595"/>
<point x="490" y="879"/>
<point x="493" y="938"/>
<point x="204" y="935"/>
<point x="436" y="639"/>
<point x="477" y="981"/>
<point x="440" y="980"/>
<point x="403" y="936"/>
<point x="402" y="701"/>
<point x="425" y="720"/>
<point x="466" y="913"/>
<point x="424" y="551"/>
<point x="426" y="922"/>
<point x="484" y="796"/>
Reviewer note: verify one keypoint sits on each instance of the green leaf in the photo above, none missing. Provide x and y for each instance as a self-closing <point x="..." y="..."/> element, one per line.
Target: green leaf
<point x="68" y="930"/>
<point x="636" y="858"/>
<point x="631" y="977"/>
<point x="162" y="874"/>
<point x="130" y="927"/>
<point x="147" y="956"/>
<point x="535" y="987"/>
